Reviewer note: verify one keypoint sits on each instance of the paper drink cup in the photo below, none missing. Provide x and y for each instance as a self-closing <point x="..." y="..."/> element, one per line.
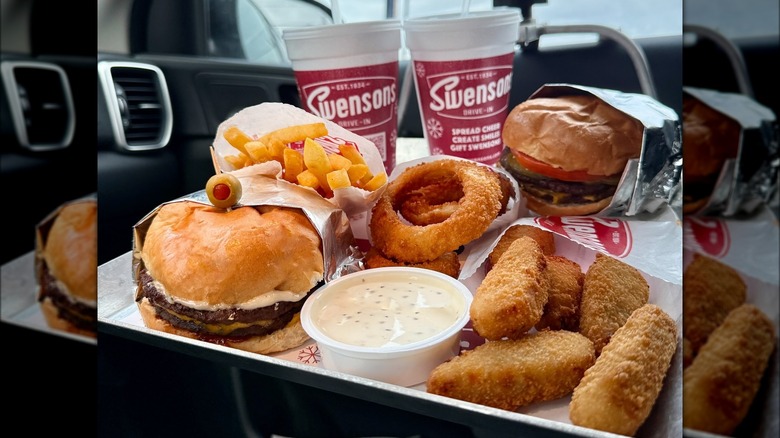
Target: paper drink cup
<point x="463" y="75"/>
<point x="348" y="73"/>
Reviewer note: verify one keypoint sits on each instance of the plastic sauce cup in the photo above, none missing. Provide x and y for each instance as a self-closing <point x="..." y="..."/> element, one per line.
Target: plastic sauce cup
<point x="393" y="324"/>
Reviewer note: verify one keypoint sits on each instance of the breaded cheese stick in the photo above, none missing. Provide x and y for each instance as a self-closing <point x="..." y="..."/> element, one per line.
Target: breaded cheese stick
<point x="611" y="291"/>
<point x="562" y="311"/>
<point x="710" y="291"/>
<point x="511" y="298"/>
<point x="722" y="381"/>
<point x="687" y="351"/>
<point x="544" y="238"/>
<point x="509" y="374"/>
<point x="618" y="392"/>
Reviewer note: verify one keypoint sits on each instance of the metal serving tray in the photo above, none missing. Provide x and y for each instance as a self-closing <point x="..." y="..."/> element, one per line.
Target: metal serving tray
<point x="118" y="315"/>
<point x="19" y="298"/>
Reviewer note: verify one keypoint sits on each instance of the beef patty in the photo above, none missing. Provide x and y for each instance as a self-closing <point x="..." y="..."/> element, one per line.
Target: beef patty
<point x="79" y="314"/>
<point x="231" y="322"/>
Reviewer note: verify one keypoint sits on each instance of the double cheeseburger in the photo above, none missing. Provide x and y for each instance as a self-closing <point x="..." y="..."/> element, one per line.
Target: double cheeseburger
<point x="709" y="139"/>
<point x="66" y="269"/>
<point x="569" y="152"/>
<point x="234" y="277"/>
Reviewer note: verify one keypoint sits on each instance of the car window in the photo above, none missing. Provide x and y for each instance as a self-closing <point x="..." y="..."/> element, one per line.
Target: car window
<point x="257" y="36"/>
<point x="634" y="18"/>
<point x="294" y="13"/>
<point x="260" y="23"/>
<point x="742" y="19"/>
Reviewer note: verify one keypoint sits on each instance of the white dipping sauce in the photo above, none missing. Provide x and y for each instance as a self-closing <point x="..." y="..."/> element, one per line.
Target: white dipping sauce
<point x="388" y="311"/>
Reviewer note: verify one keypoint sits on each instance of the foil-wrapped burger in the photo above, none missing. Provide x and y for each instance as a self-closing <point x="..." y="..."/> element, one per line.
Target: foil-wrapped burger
<point x="568" y="152"/>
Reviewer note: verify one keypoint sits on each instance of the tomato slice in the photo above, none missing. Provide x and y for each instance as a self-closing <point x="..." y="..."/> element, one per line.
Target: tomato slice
<point x="545" y="169"/>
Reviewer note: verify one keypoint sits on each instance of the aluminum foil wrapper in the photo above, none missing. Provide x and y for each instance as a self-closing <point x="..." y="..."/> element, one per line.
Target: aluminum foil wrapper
<point x="751" y="179"/>
<point x="340" y="252"/>
<point x="654" y="179"/>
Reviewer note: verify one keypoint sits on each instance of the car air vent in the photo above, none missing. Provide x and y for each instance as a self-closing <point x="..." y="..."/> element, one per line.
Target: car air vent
<point x="138" y="104"/>
<point x="40" y="104"/>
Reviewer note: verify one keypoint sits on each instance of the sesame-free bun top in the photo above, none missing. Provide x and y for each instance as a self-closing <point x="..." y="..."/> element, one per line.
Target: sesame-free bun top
<point x="578" y="132"/>
<point x="70" y="250"/>
<point x="214" y="256"/>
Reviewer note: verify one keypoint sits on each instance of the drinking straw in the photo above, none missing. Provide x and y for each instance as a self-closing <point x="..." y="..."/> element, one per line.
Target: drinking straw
<point x="335" y="9"/>
<point x="464" y="7"/>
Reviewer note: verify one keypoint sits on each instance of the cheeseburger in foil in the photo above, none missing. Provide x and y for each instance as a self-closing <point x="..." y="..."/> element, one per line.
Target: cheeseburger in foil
<point x="578" y="150"/>
<point x="569" y="152"/>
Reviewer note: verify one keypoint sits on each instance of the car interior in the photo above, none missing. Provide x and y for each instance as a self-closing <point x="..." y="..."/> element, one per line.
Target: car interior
<point x="205" y="90"/>
<point x="47" y="151"/>
<point x="168" y="73"/>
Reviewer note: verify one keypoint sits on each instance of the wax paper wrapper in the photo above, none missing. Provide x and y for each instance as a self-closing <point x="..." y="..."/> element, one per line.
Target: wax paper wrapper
<point x="652" y="247"/>
<point x="515" y="207"/>
<point x="339" y="250"/>
<point x="750" y="246"/>
<point x="750" y="179"/>
<point x="653" y="179"/>
<point x="258" y="120"/>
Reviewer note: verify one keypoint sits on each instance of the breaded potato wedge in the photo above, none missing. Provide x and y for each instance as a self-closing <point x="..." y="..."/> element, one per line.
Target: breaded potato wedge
<point x="611" y="291"/>
<point x="509" y="374"/>
<point x="710" y="291"/>
<point x="721" y="383"/>
<point x="618" y="392"/>
<point x="562" y="311"/>
<point x="511" y="298"/>
<point x="544" y="238"/>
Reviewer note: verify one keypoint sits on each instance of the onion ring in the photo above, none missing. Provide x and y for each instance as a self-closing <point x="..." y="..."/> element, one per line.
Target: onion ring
<point x="477" y="208"/>
<point x="419" y="212"/>
<point x="448" y="263"/>
<point x="433" y="203"/>
<point x="506" y="192"/>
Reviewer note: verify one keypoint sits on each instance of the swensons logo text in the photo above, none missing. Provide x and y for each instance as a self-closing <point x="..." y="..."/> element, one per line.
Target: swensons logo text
<point x="349" y="106"/>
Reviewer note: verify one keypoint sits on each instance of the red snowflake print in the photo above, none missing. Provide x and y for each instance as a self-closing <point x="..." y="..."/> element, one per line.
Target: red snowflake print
<point x="309" y="354"/>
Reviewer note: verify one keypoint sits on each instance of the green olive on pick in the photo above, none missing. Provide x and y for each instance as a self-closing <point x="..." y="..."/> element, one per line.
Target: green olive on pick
<point x="223" y="190"/>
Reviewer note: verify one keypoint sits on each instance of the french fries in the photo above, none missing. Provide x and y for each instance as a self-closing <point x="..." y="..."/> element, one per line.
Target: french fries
<point x="316" y="160"/>
<point x="312" y="167"/>
<point x="338" y="179"/>
<point x="293" y="165"/>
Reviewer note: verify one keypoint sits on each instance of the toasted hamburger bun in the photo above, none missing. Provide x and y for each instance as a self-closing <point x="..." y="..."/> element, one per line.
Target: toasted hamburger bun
<point x="208" y="260"/>
<point x="52" y="317"/>
<point x="70" y="250"/>
<point x="66" y="270"/>
<point x="546" y="208"/>
<point x="709" y="139"/>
